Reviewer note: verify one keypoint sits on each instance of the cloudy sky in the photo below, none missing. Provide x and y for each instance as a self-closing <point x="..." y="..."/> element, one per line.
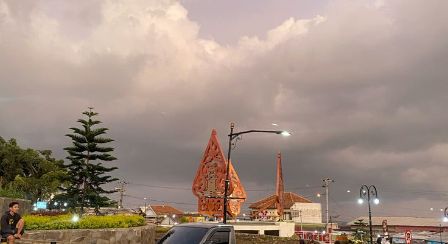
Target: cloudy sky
<point x="361" y="84"/>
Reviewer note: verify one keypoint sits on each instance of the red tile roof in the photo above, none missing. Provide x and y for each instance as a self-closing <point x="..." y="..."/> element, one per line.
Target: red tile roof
<point x="165" y="209"/>
<point x="289" y="199"/>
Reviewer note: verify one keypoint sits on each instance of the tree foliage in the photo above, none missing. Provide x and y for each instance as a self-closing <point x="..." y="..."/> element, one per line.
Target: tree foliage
<point x="86" y="172"/>
<point x="360" y="234"/>
<point x="31" y="173"/>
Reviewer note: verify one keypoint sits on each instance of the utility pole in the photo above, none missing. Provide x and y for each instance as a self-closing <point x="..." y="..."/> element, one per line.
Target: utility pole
<point x="327" y="186"/>
<point x="145" y="207"/>
<point x="122" y="190"/>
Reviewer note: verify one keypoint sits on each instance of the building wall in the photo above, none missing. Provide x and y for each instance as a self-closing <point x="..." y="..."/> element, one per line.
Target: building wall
<point x="282" y="229"/>
<point x="311" y="212"/>
<point x="168" y="221"/>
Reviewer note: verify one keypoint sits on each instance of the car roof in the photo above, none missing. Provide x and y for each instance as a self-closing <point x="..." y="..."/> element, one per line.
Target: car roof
<point x="204" y="225"/>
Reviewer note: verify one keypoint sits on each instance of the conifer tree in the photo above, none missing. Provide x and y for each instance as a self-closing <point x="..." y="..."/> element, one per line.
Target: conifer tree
<point x="86" y="172"/>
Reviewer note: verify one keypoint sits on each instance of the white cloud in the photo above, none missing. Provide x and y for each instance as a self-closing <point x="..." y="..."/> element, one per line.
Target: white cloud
<point x="367" y="82"/>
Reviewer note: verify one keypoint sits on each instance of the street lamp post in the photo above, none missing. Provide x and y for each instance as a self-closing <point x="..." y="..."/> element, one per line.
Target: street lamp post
<point x="445" y="219"/>
<point x="369" y="193"/>
<point x="445" y="215"/>
<point x="145" y="206"/>
<point x="233" y="136"/>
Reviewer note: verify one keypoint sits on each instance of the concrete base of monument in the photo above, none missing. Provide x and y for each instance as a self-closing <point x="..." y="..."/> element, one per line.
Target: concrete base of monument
<point x="281" y="229"/>
<point x="137" y="235"/>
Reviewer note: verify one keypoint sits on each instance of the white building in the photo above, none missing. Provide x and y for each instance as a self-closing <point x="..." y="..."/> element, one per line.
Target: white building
<point x="306" y="212"/>
<point x="311" y="212"/>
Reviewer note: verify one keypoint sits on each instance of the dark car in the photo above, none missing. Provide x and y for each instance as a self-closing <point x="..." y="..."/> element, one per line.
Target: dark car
<point x="199" y="233"/>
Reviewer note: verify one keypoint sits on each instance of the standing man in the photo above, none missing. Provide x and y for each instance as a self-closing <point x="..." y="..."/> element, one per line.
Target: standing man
<point x="12" y="223"/>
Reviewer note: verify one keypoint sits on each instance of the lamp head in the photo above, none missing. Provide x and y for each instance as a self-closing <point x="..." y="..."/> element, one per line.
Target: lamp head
<point x="445" y="219"/>
<point x="283" y="133"/>
<point x="360" y="201"/>
<point x="376" y="200"/>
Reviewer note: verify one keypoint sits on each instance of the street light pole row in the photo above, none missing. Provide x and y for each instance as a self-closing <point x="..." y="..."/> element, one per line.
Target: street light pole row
<point x="233" y="136"/>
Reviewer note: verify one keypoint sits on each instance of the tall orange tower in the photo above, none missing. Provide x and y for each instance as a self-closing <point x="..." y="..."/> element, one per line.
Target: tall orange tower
<point x="278" y="199"/>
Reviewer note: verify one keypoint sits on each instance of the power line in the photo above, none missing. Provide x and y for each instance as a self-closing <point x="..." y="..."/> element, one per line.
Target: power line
<point x="406" y="191"/>
<point x="350" y="214"/>
<point x="289" y="188"/>
<point x="163" y="187"/>
<point x="189" y="189"/>
<point x="154" y="200"/>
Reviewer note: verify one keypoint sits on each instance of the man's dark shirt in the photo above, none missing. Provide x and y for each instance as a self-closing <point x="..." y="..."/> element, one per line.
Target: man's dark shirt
<point x="9" y="222"/>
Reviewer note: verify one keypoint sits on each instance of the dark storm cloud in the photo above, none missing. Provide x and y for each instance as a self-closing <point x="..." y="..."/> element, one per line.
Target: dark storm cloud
<point x="361" y="87"/>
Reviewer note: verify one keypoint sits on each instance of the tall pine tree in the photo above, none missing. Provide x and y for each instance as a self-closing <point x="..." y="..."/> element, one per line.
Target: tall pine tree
<point x="86" y="172"/>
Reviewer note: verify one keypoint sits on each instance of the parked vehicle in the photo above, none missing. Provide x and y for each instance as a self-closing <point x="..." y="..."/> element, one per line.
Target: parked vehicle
<point x="199" y="233"/>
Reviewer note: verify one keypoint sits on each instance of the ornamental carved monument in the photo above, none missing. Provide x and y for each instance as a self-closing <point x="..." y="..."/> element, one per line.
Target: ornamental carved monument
<point x="209" y="183"/>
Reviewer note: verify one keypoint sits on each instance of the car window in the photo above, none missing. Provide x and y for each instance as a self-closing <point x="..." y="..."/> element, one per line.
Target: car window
<point x="220" y="237"/>
<point x="183" y="235"/>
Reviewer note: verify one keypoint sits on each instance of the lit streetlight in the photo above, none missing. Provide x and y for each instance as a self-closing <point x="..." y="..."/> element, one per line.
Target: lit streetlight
<point x="369" y="193"/>
<point x="75" y="218"/>
<point x="233" y="136"/>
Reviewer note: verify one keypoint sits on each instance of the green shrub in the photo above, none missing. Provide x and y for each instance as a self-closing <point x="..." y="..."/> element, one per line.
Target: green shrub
<point x="11" y="192"/>
<point x="59" y="222"/>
